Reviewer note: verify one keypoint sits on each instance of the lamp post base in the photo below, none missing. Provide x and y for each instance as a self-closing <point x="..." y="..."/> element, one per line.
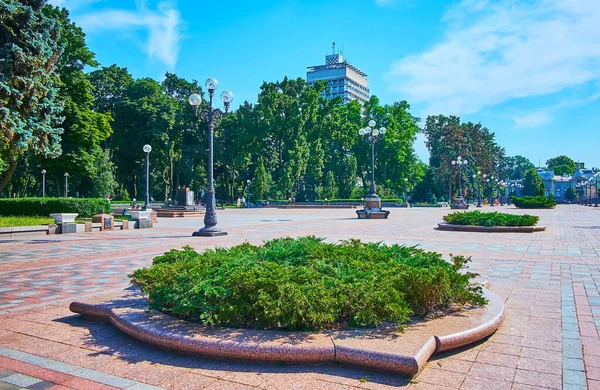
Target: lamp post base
<point x="209" y="232"/>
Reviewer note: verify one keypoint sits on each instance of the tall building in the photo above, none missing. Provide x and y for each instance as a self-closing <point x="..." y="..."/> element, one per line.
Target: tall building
<point x="343" y="79"/>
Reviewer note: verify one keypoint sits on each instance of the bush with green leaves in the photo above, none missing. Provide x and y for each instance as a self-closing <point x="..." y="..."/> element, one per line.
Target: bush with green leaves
<point x="477" y="218"/>
<point x="534" y="202"/>
<point x="305" y="284"/>
<point x="85" y="207"/>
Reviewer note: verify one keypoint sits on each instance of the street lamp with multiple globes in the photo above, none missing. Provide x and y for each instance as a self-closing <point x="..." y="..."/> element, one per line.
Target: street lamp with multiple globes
<point x="478" y="181"/>
<point x="43" y="183"/>
<point x="210" y="228"/>
<point x="147" y="149"/>
<point x="248" y="182"/>
<point x="596" y="181"/>
<point x="371" y="134"/>
<point x="459" y="201"/>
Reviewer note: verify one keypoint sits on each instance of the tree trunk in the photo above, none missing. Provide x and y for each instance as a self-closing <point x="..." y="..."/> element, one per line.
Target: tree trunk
<point x="12" y="166"/>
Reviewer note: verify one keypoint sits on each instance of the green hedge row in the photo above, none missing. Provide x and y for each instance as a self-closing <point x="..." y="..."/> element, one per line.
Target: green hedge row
<point x="533" y="202"/>
<point x="476" y="218"/>
<point x="358" y="200"/>
<point x="85" y="207"/>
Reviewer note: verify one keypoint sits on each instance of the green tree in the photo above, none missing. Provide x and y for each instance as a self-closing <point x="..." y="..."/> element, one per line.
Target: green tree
<point x="260" y="184"/>
<point x="104" y="183"/>
<point x="570" y="194"/>
<point x="533" y="185"/>
<point x="562" y="165"/>
<point x="329" y="188"/>
<point x="514" y="167"/>
<point x="29" y="106"/>
<point x="84" y="128"/>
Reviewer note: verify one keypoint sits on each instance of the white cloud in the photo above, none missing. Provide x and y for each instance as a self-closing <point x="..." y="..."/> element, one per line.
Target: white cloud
<point x="533" y="119"/>
<point x="496" y="51"/>
<point x="161" y="25"/>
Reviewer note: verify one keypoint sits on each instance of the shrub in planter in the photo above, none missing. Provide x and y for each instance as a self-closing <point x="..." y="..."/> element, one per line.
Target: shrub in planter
<point x="305" y="283"/>
<point x="534" y="202"/>
<point x="85" y="207"/>
<point x="477" y="218"/>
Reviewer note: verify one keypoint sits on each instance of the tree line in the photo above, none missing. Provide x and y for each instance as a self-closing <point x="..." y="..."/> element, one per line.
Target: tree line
<point x="292" y="142"/>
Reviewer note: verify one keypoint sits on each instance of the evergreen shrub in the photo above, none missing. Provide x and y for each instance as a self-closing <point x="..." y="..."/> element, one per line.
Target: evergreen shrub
<point x="477" y="218"/>
<point x="85" y="207"/>
<point x="305" y="284"/>
<point x="534" y="202"/>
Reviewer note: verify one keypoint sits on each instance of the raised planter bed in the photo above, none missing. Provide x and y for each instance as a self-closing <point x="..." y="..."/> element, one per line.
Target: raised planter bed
<point x="318" y="206"/>
<point x="381" y="348"/>
<point x="491" y="229"/>
<point x="64" y="217"/>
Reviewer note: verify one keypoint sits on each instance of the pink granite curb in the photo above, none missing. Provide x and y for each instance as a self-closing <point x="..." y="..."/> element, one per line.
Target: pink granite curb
<point x="386" y="349"/>
<point x="491" y="229"/>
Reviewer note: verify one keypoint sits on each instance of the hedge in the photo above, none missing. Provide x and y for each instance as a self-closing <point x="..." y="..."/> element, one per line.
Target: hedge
<point x="477" y="218"/>
<point x="533" y="202"/>
<point x="85" y="207"/>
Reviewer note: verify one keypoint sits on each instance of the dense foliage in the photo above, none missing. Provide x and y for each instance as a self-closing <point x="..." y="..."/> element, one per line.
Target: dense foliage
<point x="305" y="283"/>
<point x="533" y="185"/>
<point x="562" y="165"/>
<point x="534" y="202"/>
<point x="29" y="107"/>
<point x="446" y="139"/>
<point x="477" y="218"/>
<point x="85" y="207"/>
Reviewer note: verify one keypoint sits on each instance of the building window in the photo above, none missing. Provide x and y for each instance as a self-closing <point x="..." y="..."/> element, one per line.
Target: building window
<point x="558" y="193"/>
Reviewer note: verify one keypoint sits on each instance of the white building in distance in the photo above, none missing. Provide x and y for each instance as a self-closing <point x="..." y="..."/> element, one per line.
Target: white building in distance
<point x="343" y="79"/>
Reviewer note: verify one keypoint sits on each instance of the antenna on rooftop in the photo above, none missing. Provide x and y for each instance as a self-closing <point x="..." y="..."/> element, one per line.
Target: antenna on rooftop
<point x="333" y="48"/>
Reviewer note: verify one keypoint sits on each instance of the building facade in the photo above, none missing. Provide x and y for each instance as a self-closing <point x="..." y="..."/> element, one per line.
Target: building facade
<point x="555" y="185"/>
<point x="343" y="79"/>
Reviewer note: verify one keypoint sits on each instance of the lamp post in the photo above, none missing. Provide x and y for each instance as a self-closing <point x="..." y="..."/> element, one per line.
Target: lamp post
<point x="589" y="192"/>
<point x="596" y="180"/>
<point x="248" y="182"/>
<point x="371" y="134"/>
<point x="66" y="185"/>
<point x="147" y="149"/>
<point x="478" y="186"/>
<point x="405" y="184"/>
<point x="43" y="183"/>
<point x="210" y="228"/>
<point x="459" y="162"/>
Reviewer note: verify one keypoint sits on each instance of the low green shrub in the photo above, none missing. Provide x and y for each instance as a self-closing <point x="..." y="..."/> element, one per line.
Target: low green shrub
<point x="305" y="283"/>
<point x="534" y="202"/>
<point x="390" y="200"/>
<point x="21" y="220"/>
<point x="85" y="207"/>
<point x="477" y="218"/>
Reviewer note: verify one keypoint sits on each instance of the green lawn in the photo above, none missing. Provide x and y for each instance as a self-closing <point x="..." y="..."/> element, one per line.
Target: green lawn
<point x="19" y="220"/>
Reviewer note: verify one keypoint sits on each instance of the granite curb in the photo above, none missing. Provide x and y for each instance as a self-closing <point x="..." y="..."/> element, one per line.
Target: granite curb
<point x="491" y="229"/>
<point x="387" y="349"/>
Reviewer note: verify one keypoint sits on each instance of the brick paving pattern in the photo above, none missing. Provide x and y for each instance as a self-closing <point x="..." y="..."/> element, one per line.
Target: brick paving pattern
<point x="550" y="282"/>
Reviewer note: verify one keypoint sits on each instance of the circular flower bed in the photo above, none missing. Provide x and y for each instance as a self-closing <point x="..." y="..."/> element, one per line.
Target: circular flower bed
<point x="305" y="284"/>
<point x="477" y="218"/>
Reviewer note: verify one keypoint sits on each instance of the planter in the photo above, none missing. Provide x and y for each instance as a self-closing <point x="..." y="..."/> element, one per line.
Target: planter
<point x="385" y="348"/>
<point x="491" y="229"/>
<point x="64" y="217"/>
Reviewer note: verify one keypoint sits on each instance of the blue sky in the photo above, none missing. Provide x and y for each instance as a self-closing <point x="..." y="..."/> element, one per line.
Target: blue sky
<point x="528" y="70"/>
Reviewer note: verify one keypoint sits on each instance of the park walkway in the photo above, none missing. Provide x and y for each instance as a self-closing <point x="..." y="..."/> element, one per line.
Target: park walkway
<point x="550" y="282"/>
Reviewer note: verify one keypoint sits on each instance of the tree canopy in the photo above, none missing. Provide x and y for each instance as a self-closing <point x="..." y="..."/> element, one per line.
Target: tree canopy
<point x="29" y="104"/>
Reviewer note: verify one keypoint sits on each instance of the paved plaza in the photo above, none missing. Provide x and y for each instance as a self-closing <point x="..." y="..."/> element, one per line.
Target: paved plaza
<point x="550" y="282"/>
